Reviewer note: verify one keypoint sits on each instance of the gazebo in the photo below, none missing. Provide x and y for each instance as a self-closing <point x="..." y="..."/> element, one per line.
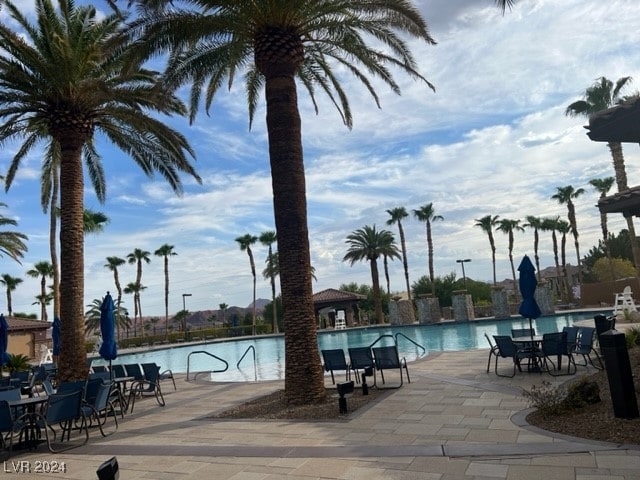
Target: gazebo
<point x="332" y="301"/>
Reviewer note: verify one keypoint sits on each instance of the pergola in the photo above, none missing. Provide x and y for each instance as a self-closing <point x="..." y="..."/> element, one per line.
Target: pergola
<point x="338" y="300"/>
<point x="618" y="124"/>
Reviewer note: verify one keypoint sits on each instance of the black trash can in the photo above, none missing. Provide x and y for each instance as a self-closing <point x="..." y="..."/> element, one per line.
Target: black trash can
<point x="616" y="359"/>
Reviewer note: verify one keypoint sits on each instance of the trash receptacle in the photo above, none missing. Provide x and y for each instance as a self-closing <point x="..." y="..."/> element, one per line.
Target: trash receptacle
<point x="618" y="366"/>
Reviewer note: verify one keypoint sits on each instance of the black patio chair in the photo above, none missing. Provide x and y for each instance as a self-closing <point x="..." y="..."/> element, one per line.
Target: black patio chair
<point x="164" y="374"/>
<point x="493" y="351"/>
<point x="555" y="345"/>
<point x="64" y="411"/>
<point x="334" y="359"/>
<point x="508" y="349"/>
<point x="584" y="347"/>
<point x="150" y="384"/>
<point x="100" y="407"/>
<point x="386" y="358"/>
<point x="9" y="427"/>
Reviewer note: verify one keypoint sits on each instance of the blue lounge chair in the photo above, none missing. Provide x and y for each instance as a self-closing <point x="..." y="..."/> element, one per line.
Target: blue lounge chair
<point x="150" y="384"/>
<point x="555" y="345"/>
<point x="361" y="358"/>
<point x="493" y="351"/>
<point x="335" y="360"/>
<point x="584" y="347"/>
<point x="508" y="349"/>
<point x="386" y="358"/>
<point x="64" y="411"/>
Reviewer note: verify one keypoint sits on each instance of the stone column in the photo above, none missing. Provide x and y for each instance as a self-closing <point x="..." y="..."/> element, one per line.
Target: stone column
<point x="428" y="309"/>
<point x="394" y="314"/>
<point x="401" y="312"/>
<point x="500" y="302"/>
<point x="462" y="306"/>
<point x="544" y="298"/>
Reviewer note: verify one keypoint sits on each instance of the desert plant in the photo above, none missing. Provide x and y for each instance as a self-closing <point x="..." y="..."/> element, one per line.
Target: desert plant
<point x="632" y="337"/>
<point x="546" y="398"/>
<point x="18" y="363"/>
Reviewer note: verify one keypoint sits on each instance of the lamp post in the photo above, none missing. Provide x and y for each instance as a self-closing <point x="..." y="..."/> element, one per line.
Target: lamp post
<point x="184" y="307"/>
<point x="464" y="277"/>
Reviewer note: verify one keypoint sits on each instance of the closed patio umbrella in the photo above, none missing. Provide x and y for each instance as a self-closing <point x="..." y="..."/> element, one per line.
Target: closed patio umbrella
<point x="529" y="307"/>
<point x="109" y="348"/>
<point x="4" y="341"/>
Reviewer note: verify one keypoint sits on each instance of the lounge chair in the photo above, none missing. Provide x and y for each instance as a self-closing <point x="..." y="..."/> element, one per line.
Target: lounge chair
<point x="508" y="349"/>
<point x="100" y="407"/>
<point x="118" y="371"/>
<point x="555" y="345"/>
<point x="584" y="347"/>
<point x="150" y="384"/>
<point x="335" y="360"/>
<point x="493" y="351"/>
<point x="361" y="358"/>
<point x="386" y="358"/>
<point x="164" y="375"/>
<point x="134" y="370"/>
<point x="65" y="411"/>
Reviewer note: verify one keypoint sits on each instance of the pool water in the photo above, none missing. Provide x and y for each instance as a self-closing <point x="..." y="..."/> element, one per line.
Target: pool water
<point x="269" y="350"/>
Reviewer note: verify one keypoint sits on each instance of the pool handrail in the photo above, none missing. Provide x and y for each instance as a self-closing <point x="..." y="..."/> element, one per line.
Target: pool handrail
<point x="384" y="336"/>
<point x="255" y="368"/>
<point x="211" y="355"/>
<point x="411" y="340"/>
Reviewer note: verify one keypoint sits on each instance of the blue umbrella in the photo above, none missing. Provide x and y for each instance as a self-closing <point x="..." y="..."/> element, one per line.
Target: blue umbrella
<point x="4" y="341"/>
<point x="109" y="348"/>
<point x="529" y="307"/>
<point x="55" y="336"/>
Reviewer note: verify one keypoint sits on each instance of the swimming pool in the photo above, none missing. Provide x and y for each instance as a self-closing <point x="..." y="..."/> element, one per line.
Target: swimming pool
<point x="269" y="350"/>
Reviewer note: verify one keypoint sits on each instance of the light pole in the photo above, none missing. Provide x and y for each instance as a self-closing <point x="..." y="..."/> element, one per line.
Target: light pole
<point x="184" y="307"/>
<point x="464" y="277"/>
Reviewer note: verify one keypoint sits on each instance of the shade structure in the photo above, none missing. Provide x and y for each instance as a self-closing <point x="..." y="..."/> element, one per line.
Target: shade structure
<point x="109" y="348"/>
<point x="528" y="283"/>
<point x="55" y="336"/>
<point x="4" y="341"/>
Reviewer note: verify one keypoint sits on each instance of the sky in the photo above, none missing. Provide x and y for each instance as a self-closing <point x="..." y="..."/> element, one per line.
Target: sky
<point x="492" y="139"/>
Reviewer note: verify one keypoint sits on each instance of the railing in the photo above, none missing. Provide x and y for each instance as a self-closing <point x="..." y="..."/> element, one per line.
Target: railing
<point x="255" y="368"/>
<point x="226" y="365"/>
<point x="395" y="340"/>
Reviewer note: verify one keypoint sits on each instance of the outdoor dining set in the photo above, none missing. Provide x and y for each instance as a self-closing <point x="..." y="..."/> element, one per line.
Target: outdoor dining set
<point x="35" y="407"/>
<point x="530" y="352"/>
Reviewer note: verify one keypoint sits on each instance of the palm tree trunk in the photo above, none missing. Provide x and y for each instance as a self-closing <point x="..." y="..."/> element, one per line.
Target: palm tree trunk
<point x="536" y="241"/>
<point x="166" y="290"/>
<point x="53" y="242"/>
<point x="304" y="380"/>
<point x="405" y="264"/>
<point x="385" y="263"/>
<point x="72" y="363"/>
<point x="559" y="282"/>
<point x="430" y="254"/>
<point x="377" y="298"/>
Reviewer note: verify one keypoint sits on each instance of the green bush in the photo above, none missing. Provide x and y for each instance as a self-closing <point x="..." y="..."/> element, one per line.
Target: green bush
<point x="547" y="399"/>
<point x="18" y="363"/>
<point x="632" y="337"/>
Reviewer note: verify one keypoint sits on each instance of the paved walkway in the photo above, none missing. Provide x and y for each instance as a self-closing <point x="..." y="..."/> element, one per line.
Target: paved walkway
<point x="453" y="421"/>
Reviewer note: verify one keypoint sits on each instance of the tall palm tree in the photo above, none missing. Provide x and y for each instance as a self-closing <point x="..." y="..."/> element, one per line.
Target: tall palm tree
<point x="368" y="244"/>
<point x="94" y="221"/>
<point x="223" y="308"/>
<point x="602" y="186"/>
<point x="600" y="96"/>
<point x="92" y="316"/>
<point x="245" y="243"/>
<point x="563" y="227"/>
<point x="508" y="226"/>
<point x="66" y="78"/>
<point x="42" y="270"/>
<point x="269" y="44"/>
<point x="134" y="288"/>
<point x="550" y="224"/>
<point x="267" y="239"/>
<point x="487" y="223"/>
<point x="396" y="215"/>
<point x="137" y="257"/>
<point x="535" y="223"/>
<point x="12" y="244"/>
<point x="270" y="272"/>
<point x="11" y="283"/>
<point x="565" y="196"/>
<point x="166" y="251"/>
<point x="112" y="264"/>
<point x="427" y="215"/>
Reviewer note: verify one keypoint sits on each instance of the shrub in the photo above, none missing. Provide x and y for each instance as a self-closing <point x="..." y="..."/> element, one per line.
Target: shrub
<point x="632" y="337"/>
<point x="18" y="363"/>
<point x="551" y="401"/>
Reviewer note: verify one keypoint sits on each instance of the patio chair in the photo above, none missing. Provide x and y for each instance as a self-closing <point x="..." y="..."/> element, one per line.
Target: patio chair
<point x="100" y="407"/>
<point x="572" y="336"/>
<point x="334" y="359"/>
<point x="118" y="371"/>
<point x="584" y="347"/>
<point x="134" y="370"/>
<point x="99" y="368"/>
<point x="150" y="384"/>
<point x="8" y="426"/>
<point x="493" y="351"/>
<point x="555" y="345"/>
<point x="164" y="375"/>
<point x="65" y="411"/>
<point x="73" y="386"/>
<point x="386" y="358"/>
<point x="523" y="332"/>
<point x="361" y="358"/>
<point x="507" y="349"/>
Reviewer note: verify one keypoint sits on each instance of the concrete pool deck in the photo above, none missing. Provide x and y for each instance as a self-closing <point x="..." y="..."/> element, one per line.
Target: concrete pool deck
<point x="453" y="421"/>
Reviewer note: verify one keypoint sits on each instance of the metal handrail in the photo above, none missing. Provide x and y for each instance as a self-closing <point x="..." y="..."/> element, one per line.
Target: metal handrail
<point x="255" y="368"/>
<point x="226" y="367"/>
<point x="411" y="340"/>
<point x="383" y="336"/>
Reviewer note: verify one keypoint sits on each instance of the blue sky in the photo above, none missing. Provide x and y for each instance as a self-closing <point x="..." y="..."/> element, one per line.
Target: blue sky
<point x="493" y="139"/>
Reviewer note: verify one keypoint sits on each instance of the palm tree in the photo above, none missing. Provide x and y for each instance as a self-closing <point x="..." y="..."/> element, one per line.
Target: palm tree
<point x="565" y="196"/>
<point x="223" y="308"/>
<point x="267" y="239"/>
<point x="134" y="288"/>
<point x="94" y="221"/>
<point x="563" y="227"/>
<point x="137" y="257"/>
<point x="487" y="223"/>
<point x="508" y="226"/>
<point x="396" y="215"/>
<point x="11" y="243"/>
<point x="165" y="251"/>
<point x="272" y="43"/>
<point x="550" y="224"/>
<point x="536" y="224"/>
<point x="600" y="96"/>
<point x="11" y="283"/>
<point x="112" y="264"/>
<point x="92" y="316"/>
<point x="43" y="300"/>
<point x="369" y="244"/>
<point x="66" y="78"/>
<point x="602" y="186"/>
<point x="42" y="270"/>
<point x="245" y="243"/>
<point x="427" y="215"/>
